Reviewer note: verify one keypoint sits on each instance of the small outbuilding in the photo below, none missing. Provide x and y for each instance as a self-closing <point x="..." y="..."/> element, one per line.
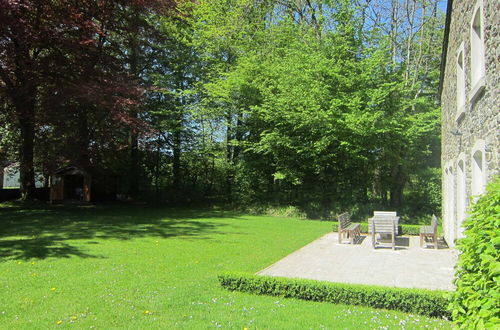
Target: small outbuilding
<point x="70" y="184"/>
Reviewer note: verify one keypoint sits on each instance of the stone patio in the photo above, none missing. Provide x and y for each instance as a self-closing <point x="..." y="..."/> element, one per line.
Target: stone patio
<point x="409" y="266"/>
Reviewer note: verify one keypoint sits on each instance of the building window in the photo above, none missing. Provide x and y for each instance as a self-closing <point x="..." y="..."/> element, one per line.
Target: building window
<point x="477" y="52"/>
<point x="449" y="204"/>
<point x="461" y="195"/>
<point x="478" y="161"/>
<point x="460" y="83"/>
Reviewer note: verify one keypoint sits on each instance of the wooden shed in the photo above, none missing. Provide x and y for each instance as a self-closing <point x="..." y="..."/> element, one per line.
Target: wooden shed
<point x="70" y="184"/>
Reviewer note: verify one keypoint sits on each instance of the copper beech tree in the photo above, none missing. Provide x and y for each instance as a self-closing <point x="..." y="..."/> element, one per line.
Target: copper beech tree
<point x="62" y="59"/>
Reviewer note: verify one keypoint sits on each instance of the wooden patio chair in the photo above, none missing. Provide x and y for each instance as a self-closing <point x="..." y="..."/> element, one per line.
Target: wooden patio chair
<point x="385" y="214"/>
<point x="383" y="226"/>
<point x="429" y="233"/>
<point x="347" y="228"/>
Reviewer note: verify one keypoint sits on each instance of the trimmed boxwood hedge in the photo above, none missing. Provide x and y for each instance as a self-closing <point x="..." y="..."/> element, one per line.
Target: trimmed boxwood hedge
<point x="402" y="229"/>
<point x="417" y="301"/>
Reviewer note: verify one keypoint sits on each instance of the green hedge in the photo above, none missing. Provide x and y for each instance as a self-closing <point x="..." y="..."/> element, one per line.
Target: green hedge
<point x="417" y="301"/>
<point x="402" y="229"/>
<point x="476" y="302"/>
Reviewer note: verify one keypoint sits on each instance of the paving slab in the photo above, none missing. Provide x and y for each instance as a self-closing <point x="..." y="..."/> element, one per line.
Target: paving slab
<point x="409" y="266"/>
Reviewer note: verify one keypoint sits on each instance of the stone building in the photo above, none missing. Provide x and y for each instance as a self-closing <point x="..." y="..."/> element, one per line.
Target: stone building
<point x="469" y="89"/>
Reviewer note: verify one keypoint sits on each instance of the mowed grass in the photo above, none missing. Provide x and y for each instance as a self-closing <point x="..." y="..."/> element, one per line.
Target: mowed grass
<point x="140" y="267"/>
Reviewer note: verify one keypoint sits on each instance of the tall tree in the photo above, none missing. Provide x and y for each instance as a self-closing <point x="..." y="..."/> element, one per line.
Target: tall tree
<point x="60" y="50"/>
<point x="283" y="65"/>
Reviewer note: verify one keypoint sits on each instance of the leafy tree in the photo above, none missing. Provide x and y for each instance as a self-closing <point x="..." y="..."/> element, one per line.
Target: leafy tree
<point x="321" y="108"/>
<point x="57" y="56"/>
<point x="320" y="104"/>
<point x="173" y="77"/>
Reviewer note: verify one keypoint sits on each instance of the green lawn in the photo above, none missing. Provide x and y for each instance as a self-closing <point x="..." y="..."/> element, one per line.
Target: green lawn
<point x="142" y="267"/>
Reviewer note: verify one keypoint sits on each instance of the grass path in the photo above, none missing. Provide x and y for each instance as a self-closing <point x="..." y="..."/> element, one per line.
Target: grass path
<point x="145" y="268"/>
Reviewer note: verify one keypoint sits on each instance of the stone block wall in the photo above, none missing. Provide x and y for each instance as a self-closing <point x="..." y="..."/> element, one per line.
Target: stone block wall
<point x="481" y="118"/>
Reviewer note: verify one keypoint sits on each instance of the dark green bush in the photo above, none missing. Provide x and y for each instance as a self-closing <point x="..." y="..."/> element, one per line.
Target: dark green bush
<point x="402" y="229"/>
<point x="476" y="302"/>
<point x="422" y="196"/>
<point x="418" y="301"/>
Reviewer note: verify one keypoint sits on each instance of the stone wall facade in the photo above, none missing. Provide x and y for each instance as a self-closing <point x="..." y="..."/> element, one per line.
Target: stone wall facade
<point x="473" y="130"/>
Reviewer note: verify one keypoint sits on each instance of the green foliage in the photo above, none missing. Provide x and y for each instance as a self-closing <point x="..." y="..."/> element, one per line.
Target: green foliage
<point x="409" y="230"/>
<point x="310" y="109"/>
<point x="250" y="102"/>
<point x="402" y="229"/>
<point x="276" y="211"/>
<point x="476" y="303"/>
<point x="423" y="195"/>
<point x="419" y="301"/>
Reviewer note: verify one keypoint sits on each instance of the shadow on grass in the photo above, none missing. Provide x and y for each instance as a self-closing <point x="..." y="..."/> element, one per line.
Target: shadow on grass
<point x="39" y="248"/>
<point x="41" y="231"/>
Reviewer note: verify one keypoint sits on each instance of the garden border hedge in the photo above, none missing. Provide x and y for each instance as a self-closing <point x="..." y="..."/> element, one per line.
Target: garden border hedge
<point x="418" y="301"/>
<point x="402" y="229"/>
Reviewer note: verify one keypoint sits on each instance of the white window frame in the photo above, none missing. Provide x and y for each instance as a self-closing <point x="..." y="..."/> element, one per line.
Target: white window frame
<point x="477" y="53"/>
<point x="461" y="193"/>
<point x="461" y="95"/>
<point x="479" y="176"/>
<point x="449" y="203"/>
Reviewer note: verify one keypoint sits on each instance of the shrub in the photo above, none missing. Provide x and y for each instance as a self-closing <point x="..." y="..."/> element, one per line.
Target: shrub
<point x="274" y="211"/>
<point x="476" y="302"/>
<point x="402" y="229"/>
<point x="418" y="301"/>
<point x="423" y="194"/>
<point x="286" y="212"/>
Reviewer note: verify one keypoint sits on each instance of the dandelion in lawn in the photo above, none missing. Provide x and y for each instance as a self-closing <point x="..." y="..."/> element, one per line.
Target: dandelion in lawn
<point x="59" y="322"/>
<point x="19" y="262"/>
<point x="53" y="289"/>
<point x="146" y="312"/>
<point x="73" y="318"/>
<point x="33" y="262"/>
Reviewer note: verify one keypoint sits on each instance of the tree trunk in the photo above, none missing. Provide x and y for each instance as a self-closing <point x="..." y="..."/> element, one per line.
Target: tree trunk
<point x="3" y="163"/>
<point x="398" y="184"/>
<point x="410" y="16"/>
<point x="1" y="175"/>
<point x="379" y="186"/>
<point x="176" y="165"/>
<point x="83" y="138"/>
<point x="26" y="111"/>
<point x="135" y="72"/>
<point x="229" y="137"/>
<point x="229" y="156"/>
<point x="177" y="135"/>
<point x="157" y="170"/>
<point x="134" y="165"/>
<point x="394" y="30"/>
<point x="238" y="135"/>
